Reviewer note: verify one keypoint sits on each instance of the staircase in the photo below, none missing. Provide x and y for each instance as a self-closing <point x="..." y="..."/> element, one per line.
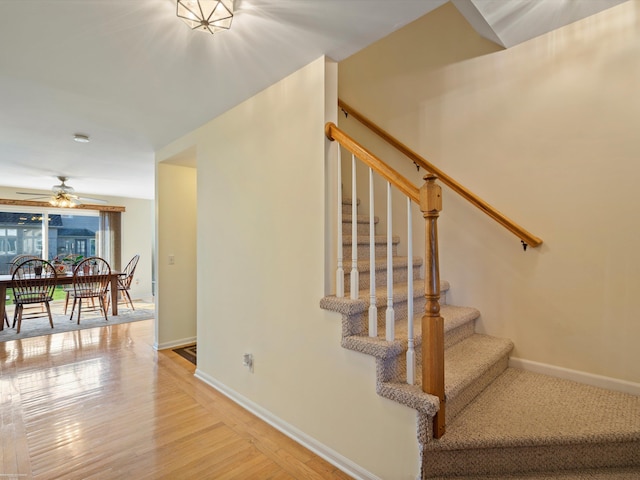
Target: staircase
<point x="501" y="422"/>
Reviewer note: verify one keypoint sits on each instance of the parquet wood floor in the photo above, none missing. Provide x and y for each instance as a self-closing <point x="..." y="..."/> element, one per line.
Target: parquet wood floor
<point x="103" y="404"/>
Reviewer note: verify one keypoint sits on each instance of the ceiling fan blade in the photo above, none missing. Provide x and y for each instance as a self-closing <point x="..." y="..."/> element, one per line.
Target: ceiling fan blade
<point x="91" y="200"/>
<point x="34" y="196"/>
<point x="66" y="191"/>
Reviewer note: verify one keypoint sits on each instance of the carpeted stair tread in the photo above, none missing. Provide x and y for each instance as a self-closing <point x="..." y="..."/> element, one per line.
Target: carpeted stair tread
<point x="400" y="292"/>
<point x="347" y="306"/>
<point x="454" y="316"/>
<point x="470" y="365"/>
<point x="360" y="218"/>
<point x="465" y="364"/>
<point x="363" y="224"/>
<point x="526" y="422"/>
<point x="524" y="408"/>
<point x="379" y="347"/>
<point x="469" y="359"/>
<point x="400" y="272"/>
<point x="364" y="240"/>
<point x="364" y="265"/>
<point x="410" y="396"/>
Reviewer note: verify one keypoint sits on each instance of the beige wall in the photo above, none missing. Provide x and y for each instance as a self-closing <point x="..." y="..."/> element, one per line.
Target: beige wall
<point x="261" y="274"/>
<point x="176" y="210"/>
<point x="547" y="132"/>
<point x="137" y="237"/>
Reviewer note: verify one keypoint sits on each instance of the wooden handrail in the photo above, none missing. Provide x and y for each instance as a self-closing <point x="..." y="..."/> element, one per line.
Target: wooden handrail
<point x="377" y="165"/>
<point x="527" y="237"/>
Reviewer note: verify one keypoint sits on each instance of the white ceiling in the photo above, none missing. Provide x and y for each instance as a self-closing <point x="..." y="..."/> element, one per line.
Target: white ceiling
<point x="133" y="77"/>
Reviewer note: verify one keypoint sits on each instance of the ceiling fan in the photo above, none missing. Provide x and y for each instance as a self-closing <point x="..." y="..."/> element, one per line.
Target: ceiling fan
<point x="63" y="196"/>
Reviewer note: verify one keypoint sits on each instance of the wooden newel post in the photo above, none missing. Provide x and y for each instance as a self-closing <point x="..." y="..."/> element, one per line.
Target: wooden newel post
<point x="432" y="322"/>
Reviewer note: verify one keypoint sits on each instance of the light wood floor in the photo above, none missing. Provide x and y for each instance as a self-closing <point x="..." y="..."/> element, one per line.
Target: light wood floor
<point x="102" y="404"/>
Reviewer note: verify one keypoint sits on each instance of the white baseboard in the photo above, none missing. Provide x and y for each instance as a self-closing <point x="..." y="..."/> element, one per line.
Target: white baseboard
<point x="175" y="343"/>
<point x="331" y="456"/>
<point x="577" y="376"/>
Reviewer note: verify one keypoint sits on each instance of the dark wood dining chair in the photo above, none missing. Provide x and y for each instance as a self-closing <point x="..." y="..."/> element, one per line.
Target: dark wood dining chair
<point x="33" y="282"/>
<point x="91" y="279"/>
<point x="13" y="264"/>
<point x="18" y="259"/>
<point x="124" y="282"/>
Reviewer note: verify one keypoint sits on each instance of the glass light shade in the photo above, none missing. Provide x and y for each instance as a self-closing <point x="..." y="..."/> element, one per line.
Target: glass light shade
<point x="63" y="200"/>
<point x="206" y="15"/>
<point x="62" y="189"/>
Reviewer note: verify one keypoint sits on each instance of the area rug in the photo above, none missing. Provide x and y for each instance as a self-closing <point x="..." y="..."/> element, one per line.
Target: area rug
<point x="189" y="352"/>
<point x="34" y="327"/>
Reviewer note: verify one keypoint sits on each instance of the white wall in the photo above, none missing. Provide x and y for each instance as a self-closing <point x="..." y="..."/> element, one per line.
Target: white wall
<point x="546" y="132"/>
<point x="261" y="274"/>
<point x="176" y="209"/>
<point x="137" y="237"/>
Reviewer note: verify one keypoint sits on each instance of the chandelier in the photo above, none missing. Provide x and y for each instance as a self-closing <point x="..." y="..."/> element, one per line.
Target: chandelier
<point x="206" y="15"/>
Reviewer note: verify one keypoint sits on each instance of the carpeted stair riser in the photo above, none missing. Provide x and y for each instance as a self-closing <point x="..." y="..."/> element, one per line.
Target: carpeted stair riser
<point x="624" y="473"/>
<point x="459" y="333"/>
<point x="364" y="247"/>
<point x="346" y="206"/>
<point x="539" y="458"/>
<point x="400" y="272"/>
<point x="363" y="226"/>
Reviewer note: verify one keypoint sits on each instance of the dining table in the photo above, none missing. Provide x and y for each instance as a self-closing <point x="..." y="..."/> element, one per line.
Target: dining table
<point x="65" y="278"/>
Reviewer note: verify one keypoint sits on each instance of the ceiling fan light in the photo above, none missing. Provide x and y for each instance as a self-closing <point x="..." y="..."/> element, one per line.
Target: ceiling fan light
<point x="63" y="200"/>
<point x="206" y="15"/>
<point x="81" y="138"/>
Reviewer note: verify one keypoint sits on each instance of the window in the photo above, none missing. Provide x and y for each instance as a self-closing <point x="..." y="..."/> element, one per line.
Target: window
<point x="20" y="233"/>
<point x="8" y="241"/>
<point x="46" y="234"/>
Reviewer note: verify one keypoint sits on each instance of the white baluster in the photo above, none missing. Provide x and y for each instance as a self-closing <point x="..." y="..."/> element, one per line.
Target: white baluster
<point x="355" y="281"/>
<point x="373" y="309"/>
<point x="411" y="354"/>
<point x="340" y="269"/>
<point x="390" y="316"/>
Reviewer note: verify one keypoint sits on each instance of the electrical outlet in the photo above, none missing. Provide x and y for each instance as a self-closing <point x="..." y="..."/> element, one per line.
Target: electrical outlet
<point x="247" y="361"/>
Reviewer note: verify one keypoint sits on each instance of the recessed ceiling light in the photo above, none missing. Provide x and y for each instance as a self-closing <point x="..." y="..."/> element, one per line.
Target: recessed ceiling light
<point x="81" y="138"/>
